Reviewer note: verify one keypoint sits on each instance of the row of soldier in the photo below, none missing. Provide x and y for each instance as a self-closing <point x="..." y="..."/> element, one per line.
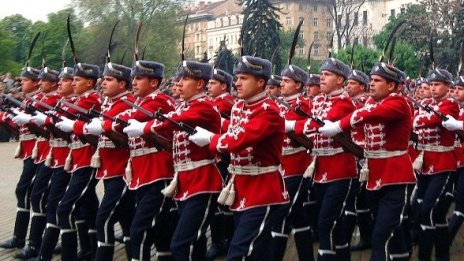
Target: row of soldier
<point x="264" y="157"/>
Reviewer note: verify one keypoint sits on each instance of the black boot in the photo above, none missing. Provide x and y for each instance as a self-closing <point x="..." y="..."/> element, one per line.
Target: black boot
<point x="49" y="241"/>
<point x="93" y="244"/>
<point x="84" y="241"/>
<point x="442" y="244"/>
<point x="127" y="246"/>
<point x="304" y="245"/>
<point x="454" y="225"/>
<point x="28" y="252"/>
<point x="426" y="238"/>
<point x="343" y="254"/>
<point x="105" y="253"/>
<point x="278" y="247"/>
<point x="365" y="232"/>
<point x="37" y="229"/>
<point x="217" y="237"/>
<point x="13" y="243"/>
<point x="20" y="231"/>
<point x="349" y="223"/>
<point x="326" y="256"/>
<point x="69" y="246"/>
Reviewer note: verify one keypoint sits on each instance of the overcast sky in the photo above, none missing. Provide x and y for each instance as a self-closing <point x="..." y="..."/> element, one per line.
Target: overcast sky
<point x="31" y="9"/>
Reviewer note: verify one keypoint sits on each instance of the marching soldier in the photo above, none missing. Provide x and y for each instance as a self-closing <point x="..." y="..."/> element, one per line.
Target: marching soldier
<point x="436" y="146"/>
<point x="273" y="85"/>
<point x="357" y="210"/>
<point x="150" y="169"/>
<point x="313" y="86"/>
<point x="30" y="86"/>
<point x="332" y="184"/>
<point x="110" y="160"/>
<point x="222" y="224"/>
<point x="48" y="79"/>
<point x="254" y="138"/>
<point x="197" y="180"/>
<point x="452" y="125"/>
<point x="388" y="169"/>
<point x="80" y="202"/>
<point x="55" y="160"/>
<point x="294" y="161"/>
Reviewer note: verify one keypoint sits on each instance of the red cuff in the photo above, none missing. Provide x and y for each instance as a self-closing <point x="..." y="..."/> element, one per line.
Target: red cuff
<point x="78" y="128"/>
<point x="107" y="126"/>
<point x="147" y="128"/>
<point x="214" y="142"/>
<point x="345" y="123"/>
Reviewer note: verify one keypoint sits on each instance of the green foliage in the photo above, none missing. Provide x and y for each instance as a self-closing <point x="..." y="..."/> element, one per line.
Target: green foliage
<point x="7" y="47"/>
<point x="261" y="29"/>
<point x="363" y="59"/>
<point x="224" y="58"/>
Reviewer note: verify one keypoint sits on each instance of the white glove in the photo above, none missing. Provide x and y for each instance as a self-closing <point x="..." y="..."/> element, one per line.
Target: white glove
<point x="65" y="124"/>
<point x="452" y="124"/>
<point x="289" y="126"/>
<point x="94" y="127"/>
<point x="39" y="118"/>
<point x="22" y="118"/>
<point x="202" y="137"/>
<point x="330" y="128"/>
<point x="135" y="128"/>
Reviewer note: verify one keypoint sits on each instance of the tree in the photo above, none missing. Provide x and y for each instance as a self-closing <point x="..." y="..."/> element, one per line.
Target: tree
<point x="224" y="58"/>
<point x="7" y="47"/>
<point x="364" y="58"/>
<point x="343" y="14"/>
<point x="18" y="28"/>
<point x="260" y="28"/>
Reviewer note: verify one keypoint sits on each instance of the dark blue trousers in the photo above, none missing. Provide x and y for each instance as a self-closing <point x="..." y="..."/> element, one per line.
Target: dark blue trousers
<point x="150" y="224"/>
<point x="189" y="240"/>
<point x="388" y="205"/>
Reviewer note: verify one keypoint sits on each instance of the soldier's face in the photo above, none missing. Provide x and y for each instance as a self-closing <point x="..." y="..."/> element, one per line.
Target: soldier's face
<point x="273" y="90"/>
<point x="439" y="89"/>
<point x="459" y="93"/>
<point x="289" y="87"/>
<point x="380" y="88"/>
<point x="216" y="88"/>
<point x="65" y="86"/>
<point x="248" y="85"/>
<point x="354" y="88"/>
<point x="47" y="86"/>
<point x="112" y="87"/>
<point x="189" y="87"/>
<point x="143" y="86"/>
<point x="28" y="85"/>
<point x="426" y="93"/>
<point x="330" y="82"/>
<point x="313" y="90"/>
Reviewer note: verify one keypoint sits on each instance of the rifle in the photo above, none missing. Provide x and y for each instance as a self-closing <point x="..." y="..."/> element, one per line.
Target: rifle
<point x="30" y="110"/>
<point x="49" y="111"/>
<point x="299" y="140"/>
<point x="180" y="125"/>
<point x="155" y="139"/>
<point x="117" y="138"/>
<point x="10" y="128"/>
<point x="429" y="109"/>
<point x="347" y="144"/>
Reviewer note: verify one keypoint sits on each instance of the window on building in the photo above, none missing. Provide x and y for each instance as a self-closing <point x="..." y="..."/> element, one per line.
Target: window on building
<point x="316" y="36"/>
<point x="355" y="19"/>
<point x="315" y="21"/>
<point x="197" y="50"/>
<point x="197" y="37"/>
<point x="289" y="20"/>
<point x="301" y="50"/>
<point x="302" y="34"/>
<point x="328" y="36"/>
<point x="392" y="12"/>
<point x="364" y="17"/>
<point x="315" y="7"/>
<point x="317" y="50"/>
<point x="329" y="22"/>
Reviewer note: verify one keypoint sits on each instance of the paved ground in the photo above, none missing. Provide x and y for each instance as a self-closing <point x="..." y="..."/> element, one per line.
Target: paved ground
<point x="10" y="170"/>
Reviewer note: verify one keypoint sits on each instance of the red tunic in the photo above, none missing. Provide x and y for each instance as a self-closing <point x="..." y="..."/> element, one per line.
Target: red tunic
<point x="113" y="160"/>
<point x="357" y="134"/>
<point x="459" y="150"/>
<point x="147" y="163"/>
<point x="436" y="141"/>
<point x="331" y="162"/>
<point x="42" y="143"/>
<point x="81" y="154"/>
<point x="197" y="173"/>
<point x="254" y="140"/>
<point x="294" y="160"/>
<point x="387" y="127"/>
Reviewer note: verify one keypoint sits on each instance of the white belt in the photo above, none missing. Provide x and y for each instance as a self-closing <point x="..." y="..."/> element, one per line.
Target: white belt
<point x="435" y="148"/>
<point x="24" y="137"/>
<point x="327" y="151"/>
<point x="77" y="145"/>
<point x="58" y="143"/>
<point x="40" y="139"/>
<point x="291" y="150"/>
<point x="106" y="144"/>
<point x="383" y="154"/>
<point x="191" y="165"/>
<point x="142" y="151"/>
<point x="251" y="170"/>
